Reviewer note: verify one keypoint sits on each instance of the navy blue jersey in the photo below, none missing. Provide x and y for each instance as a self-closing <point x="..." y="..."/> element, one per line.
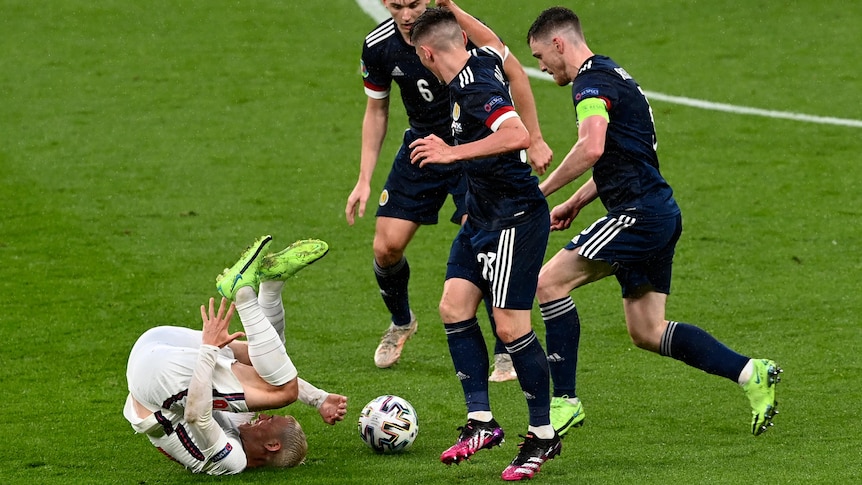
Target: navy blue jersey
<point x="387" y="57"/>
<point x="627" y="174"/>
<point x="501" y="190"/>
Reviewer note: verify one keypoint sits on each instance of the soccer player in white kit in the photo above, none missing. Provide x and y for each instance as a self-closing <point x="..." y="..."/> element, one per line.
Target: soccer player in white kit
<point x="194" y="393"/>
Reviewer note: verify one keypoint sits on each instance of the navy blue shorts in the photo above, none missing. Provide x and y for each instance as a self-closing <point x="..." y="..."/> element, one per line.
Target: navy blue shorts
<point x="504" y="263"/>
<point x="417" y="194"/>
<point x="641" y="251"/>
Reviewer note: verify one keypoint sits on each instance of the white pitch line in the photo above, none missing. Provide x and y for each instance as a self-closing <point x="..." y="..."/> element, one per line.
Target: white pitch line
<point x="729" y="108"/>
<point x="376" y="10"/>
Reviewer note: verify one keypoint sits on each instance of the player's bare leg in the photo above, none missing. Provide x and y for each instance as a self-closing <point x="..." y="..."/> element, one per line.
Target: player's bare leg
<point x="393" y="275"/>
<point x="648" y="328"/>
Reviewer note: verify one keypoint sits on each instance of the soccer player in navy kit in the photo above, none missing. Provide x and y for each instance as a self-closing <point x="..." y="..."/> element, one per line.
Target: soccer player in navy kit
<point x="500" y="248"/>
<point x="635" y="241"/>
<point x="413" y="197"/>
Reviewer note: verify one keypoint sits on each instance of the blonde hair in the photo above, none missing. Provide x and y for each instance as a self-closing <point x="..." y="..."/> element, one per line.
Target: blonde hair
<point x="293" y="446"/>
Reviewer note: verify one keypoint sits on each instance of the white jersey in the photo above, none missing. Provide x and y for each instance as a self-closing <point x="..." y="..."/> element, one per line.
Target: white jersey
<point x="170" y="433"/>
<point x="160" y="369"/>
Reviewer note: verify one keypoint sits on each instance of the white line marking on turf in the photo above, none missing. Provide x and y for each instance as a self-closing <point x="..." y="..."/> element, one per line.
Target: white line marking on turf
<point x="376" y="10"/>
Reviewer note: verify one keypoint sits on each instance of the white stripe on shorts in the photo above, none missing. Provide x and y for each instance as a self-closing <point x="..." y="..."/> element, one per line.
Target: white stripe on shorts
<point x="605" y="235"/>
<point x="503" y="267"/>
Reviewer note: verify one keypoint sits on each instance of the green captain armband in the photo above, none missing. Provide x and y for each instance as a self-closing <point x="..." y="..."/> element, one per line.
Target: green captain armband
<point x="592" y="107"/>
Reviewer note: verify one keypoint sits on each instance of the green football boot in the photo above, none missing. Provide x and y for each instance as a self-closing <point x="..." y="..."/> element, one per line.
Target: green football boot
<point x="760" y="390"/>
<point x="287" y="262"/>
<point x="565" y="415"/>
<point x="245" y="271"/>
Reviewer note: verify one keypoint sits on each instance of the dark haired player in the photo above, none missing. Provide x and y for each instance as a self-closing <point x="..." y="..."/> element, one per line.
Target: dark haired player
<point x="499" y="250"/>
<point x="414" y="197"/>
<point x="635" y="241"/>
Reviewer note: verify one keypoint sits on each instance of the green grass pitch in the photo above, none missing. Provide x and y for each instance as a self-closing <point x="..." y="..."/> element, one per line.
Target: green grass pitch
<point x="144" y="144"/>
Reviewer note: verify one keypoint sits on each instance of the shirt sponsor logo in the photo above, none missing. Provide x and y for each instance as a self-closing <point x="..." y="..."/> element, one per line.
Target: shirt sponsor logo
<point x="496" y="100"/>
<point x="397" y="72"/>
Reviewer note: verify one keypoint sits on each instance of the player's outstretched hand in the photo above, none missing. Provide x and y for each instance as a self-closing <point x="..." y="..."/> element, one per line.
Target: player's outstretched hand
<point x="333" y="409"/>
<point x="357" y="199"/>
<point x="431" y="149"/>
<point x="216" y="324"/>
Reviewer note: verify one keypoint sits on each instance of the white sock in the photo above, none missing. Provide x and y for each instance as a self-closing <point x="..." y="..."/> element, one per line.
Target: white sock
<point x="746" y="374"/>
<point x="265" y="349"/>
<point x="270" y="302"/>
<point x="483" y="416"/>
<point x="545" y="432"/>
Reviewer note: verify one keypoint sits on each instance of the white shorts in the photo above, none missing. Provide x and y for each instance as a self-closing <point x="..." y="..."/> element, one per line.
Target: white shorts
<point x="161" y="365"/>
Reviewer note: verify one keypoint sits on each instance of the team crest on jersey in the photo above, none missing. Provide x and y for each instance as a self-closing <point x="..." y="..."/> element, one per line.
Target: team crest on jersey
<point x="363" y="68"/>
<point x="493" y="102"/>
<point x="456" y="111"/>
<point x="384" y="197"/>
<point x="586" y="92"/>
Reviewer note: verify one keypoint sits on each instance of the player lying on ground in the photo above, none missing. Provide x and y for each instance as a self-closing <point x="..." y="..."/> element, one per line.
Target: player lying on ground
<point x="194" y="393"/>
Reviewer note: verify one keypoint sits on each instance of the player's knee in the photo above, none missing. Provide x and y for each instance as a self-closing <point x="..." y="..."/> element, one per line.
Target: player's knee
<point x="453" y="312"/>
<point x="386" y="254"/>
<point x="506" y="334"/>
<point x="547" y="291"/>
<point x="447" y="311"/>
<point x="543" y="291"/>
<point x="644" y="339"/>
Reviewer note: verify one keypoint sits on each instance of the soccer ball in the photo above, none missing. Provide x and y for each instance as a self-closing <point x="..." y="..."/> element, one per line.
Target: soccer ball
<point x="388" y="424"/>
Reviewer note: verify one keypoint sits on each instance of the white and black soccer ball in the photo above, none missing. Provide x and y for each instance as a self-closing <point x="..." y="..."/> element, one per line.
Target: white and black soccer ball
<point x="388" y="424"/>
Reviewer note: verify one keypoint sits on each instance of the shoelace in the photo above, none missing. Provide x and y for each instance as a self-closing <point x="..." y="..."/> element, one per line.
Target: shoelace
<point x="528" y="448"/>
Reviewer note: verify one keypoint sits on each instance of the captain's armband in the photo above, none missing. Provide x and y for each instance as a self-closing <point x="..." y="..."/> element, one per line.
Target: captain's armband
<point x="592" y="107"/>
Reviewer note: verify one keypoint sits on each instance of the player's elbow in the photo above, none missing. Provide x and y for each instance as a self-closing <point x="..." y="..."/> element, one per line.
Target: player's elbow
<point x="522" y="140"/>
<point x="511" y="136"/>
<point x="592" y="152"/>
<point x="192" y="415"/>
<point x="517" y="137"/>
<point x="289" y="393"/>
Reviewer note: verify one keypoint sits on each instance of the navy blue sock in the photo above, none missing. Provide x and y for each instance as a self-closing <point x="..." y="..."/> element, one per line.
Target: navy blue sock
<point x="470" y="357"/>
<point x="531" y="364"/>
<point x="699" y="349"/>
<point x="393" y="281"/>
<point x="499" y="346"/>
<point x="562" y="336"/>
